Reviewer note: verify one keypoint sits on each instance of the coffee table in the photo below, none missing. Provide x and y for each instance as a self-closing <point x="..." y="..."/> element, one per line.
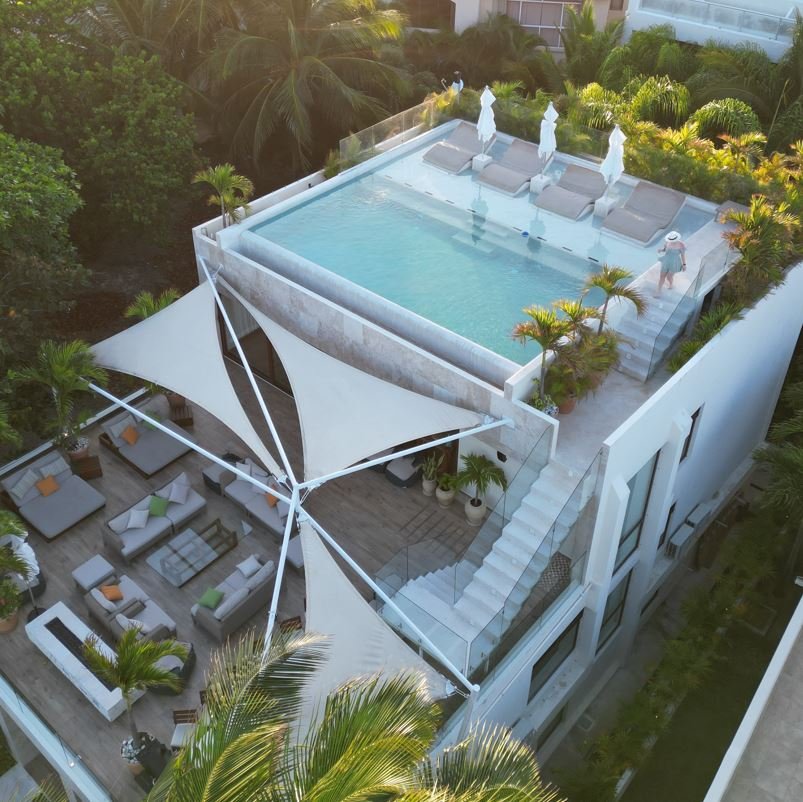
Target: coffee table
<point x="187" y="554"/>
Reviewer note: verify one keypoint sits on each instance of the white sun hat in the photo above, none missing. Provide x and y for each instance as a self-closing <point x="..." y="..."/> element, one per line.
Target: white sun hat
<point x="672" y="236"/>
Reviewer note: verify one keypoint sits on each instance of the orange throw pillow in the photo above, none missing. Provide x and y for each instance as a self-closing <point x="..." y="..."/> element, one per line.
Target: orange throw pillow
<point x="47" y="485"/>
<point x="130" y="435"/>
<point x="112" y="592"/>
<point x="272" y="500"/>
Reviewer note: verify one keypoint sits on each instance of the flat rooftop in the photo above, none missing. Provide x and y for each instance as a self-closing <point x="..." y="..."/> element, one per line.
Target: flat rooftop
<point x="446" y="247"/>
<point x="372" y="518"/>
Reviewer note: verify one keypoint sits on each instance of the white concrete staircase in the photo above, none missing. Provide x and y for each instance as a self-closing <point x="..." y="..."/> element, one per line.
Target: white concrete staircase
<point x="648" y="338"/>
<point x="455" y="604"/>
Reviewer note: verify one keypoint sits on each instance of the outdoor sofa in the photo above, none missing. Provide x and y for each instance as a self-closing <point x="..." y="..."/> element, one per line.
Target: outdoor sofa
<point x="152" y="450"/>
<point x="648" y="210"/>
<point x="519" y="164"/>
<point x="455" y="153"/>
<point x="135" y="609"/>
<point x="128" y="541"/>
<point x="50" y="515"/>
<point x="574" y="193"/>
<point x="252" y="500"/>
<point x="246" y="591"/>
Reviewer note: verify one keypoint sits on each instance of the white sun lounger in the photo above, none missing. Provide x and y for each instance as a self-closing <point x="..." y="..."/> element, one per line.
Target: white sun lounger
<point x="574" y="193"/>
<point x="455" y="153"/>
<point x="648" y="210"/>
<point x="512" y="173"/>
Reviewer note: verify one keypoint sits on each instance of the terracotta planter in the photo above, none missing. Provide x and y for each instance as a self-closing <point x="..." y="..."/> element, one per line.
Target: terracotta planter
<point x="9" y="624"/>
<point x="428" y="486"/>
<point x="135" y="768"/>
<point x="175" y="400"/>
<point x="568" y="405"/>
<point x="445" y="497"/>
<point x="475" y="513"/>
<point x="79" y="453"/>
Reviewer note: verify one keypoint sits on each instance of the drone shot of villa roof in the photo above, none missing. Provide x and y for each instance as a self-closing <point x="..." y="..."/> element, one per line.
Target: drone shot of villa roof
<point x="460" y="452"/>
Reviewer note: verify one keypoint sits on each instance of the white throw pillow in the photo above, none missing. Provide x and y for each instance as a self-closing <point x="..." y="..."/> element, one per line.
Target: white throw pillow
<point x="249" y="566"/>
<point x="128" y="623"/>
<point x="259" y="475"/>
<point x="108" y="606"/>
<point x="117" y="429"/>
<point x="137" y="519"/>
<point x="26" y="482"/>
<point x="119" y="524"/>
<point x="229" y="603"/>
<point x="179" y="492"/>
<point x="245" y="467"/>
<point x="56" y="466"/>
<point x="261" y="576"/>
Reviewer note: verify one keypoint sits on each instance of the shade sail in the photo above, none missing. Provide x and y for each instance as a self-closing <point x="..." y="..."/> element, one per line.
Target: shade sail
<point x="346" y="414"/>
<point x="360" y="642"/>
<point x="178" y="348"/>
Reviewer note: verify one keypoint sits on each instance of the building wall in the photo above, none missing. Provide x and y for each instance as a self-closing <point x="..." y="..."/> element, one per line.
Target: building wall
<point x="736" y="380"/>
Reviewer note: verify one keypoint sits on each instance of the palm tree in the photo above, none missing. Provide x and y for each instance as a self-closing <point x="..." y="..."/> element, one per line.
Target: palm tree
<point x="232" y="191"/>
<point x="576" y="314"/>
<point x="146" y="304"/>
<point x="369" y="739"/>
<point x="585" y="47"/>
<point x="10" y="562"/>
<point x="609" y="280"/>
<point x="8" y="434"/>
<point x="65" y="369"/>
<point x="545" y="328"/>
<point x="134" y="667"/>
<point x="295" y="68"/>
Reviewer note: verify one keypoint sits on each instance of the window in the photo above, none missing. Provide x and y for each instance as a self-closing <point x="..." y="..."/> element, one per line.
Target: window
<point x="640" y="486"/>
<point x="687" y="442"/>
<point x="649" y="602"/>
<point x="614" y="609"/>
<point x="662" y="539"/>
<point x="548" y="730"/>
<point x="554" y="657"/>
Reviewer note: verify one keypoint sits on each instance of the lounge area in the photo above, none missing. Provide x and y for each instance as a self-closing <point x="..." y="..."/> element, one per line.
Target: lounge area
<point x="208" y="538"/>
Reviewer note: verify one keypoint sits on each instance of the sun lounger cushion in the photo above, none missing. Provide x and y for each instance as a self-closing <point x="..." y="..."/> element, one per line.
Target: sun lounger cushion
<point x="563" y="202"/>
<point x="504" y="179"/>
<point x="648" y="210"/>
<point x="583" y="181"/>
<point x="455" y="153"/>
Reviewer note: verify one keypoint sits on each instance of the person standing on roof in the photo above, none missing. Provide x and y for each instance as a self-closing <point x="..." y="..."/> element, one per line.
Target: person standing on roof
<point x="672" y="259"/>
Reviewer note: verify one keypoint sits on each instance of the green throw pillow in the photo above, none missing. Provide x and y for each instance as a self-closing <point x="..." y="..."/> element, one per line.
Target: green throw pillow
<point x="211" y="598"/>
<point x="158" y="506"/>
<point x="152" y="413"/>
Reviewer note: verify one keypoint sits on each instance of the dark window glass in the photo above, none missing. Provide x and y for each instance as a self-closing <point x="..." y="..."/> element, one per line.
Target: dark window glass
<point x="687" y="441"/>
<point x="614" y="609"/>
<point x="548" y="730"/>
<point x="640" y="486"/>
<point x="554" y="657"/>
<point x="664" y="534"/>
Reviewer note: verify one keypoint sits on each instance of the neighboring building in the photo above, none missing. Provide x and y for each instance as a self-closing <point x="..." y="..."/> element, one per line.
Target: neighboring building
<point x="425" y="275"/>
<point x="768" y="25"/>
<point x="764" y="762"/>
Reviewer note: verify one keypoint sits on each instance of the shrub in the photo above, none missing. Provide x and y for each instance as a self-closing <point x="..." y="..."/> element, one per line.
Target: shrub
<point x="661" y="100"/>
<point x="727" y="116"/>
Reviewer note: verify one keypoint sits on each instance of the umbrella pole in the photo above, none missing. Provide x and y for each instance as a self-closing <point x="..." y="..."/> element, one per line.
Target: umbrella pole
<point x="34" y="611"/>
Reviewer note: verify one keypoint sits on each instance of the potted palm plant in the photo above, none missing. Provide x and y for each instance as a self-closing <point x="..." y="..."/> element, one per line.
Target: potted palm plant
<point x="65" y="369"/>
<point x="545" y="328"/>
<point x="10" y="603"/>
<point x="429" y="472"/>
<point x="447" y="489"/>
<point x="479" y="472"/>
<point x="133" y="667"/>
<point x="232" y="191"/>
<point x="610" y="281"/>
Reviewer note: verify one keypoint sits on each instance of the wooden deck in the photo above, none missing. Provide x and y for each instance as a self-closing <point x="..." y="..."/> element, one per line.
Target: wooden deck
<point x="369" y="516"/>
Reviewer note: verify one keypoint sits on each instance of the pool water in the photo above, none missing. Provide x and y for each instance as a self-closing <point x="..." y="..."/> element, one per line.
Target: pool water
<point x="451" y="266"/>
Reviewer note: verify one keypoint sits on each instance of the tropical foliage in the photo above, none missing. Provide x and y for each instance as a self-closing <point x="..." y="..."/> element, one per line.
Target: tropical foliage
<point x="258" y="738"/>
<point x="480" y="472"/>
<point x="147" y="304"/>
<point x="232" y="191"/>
<point x="611" y="281"/>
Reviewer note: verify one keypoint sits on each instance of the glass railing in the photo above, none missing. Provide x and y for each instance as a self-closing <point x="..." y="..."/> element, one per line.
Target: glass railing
<point x="728" y="17"/>
<point x="716" y="261"/>
<point x="454" y="570"/>
<point x="554" y="570"/>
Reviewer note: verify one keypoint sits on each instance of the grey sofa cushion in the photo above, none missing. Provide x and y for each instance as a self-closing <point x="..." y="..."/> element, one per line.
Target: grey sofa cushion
<point x="72" y="502"/>
<point x="230" y="601"/>
<point x="273" y="518"/>
<point x="154" y="449"/>
<point x="240" y="491"/>
<point x="13" y="478"/>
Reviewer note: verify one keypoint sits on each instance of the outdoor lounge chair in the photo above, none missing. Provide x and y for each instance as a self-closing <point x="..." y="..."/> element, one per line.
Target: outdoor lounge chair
<point x="513" y="172"/>
<point x="648" y="210"/>
<point x="455" y="153"/>
<point x="574" y="193"/>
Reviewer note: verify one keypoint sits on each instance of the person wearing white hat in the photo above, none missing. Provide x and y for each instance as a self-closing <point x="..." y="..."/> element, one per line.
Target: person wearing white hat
<point x="672" y="259"/>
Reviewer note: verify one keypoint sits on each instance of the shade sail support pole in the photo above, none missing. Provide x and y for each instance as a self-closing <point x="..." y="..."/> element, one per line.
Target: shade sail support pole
<point x="494" y="424"/>
<point x="426" y="642"/>
<point x="248" y="372"/>
<point x="137" y="413"/>
<point x="277" y="582"/>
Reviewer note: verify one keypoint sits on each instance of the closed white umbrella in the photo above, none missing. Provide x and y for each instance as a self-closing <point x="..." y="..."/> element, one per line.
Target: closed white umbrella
<point x="486" y="124"/>
<point x="548" y="144"/>
<point x="614" y="164"/>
